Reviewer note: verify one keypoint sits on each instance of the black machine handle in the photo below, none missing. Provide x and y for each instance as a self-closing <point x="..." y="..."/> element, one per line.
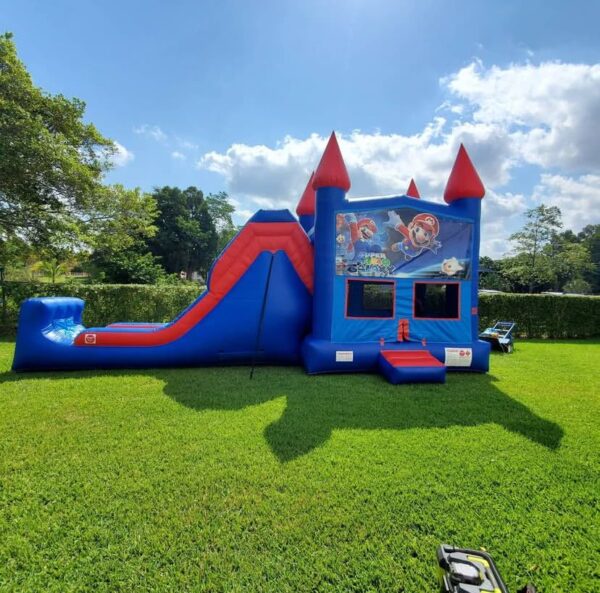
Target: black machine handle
<point x="445" y="551"/>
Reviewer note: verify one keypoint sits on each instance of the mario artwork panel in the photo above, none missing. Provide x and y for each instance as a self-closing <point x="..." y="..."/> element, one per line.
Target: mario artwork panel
<point x="404" y="243"/>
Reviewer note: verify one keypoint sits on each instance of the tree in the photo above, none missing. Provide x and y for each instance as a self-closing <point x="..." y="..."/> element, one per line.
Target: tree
<point x="590" y="237"/>
<point x="118" y="233"/>
<point x="51" y="162"/>
<point x="53" y="258"/>
<point x="530" y="265"/>
<point x="186" y="239"/>
<point x="128" y="266"/>
<point x="578" y="286"/>
<point x="568" y="259"/>
<point x="221" y="212"/>
<point x="491" y="275"/>
<point x="13" y="250"/>
<point x="52" y="269"/>
<point x="121" y="218"/>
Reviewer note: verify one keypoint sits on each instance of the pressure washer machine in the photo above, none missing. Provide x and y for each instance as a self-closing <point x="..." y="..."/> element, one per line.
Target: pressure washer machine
<point x="501" y="336"/>
<point x="471" y="571"/>
<point x="468" y="571"/>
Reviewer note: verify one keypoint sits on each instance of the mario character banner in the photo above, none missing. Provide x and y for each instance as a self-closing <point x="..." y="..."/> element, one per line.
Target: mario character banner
<point x="402" y="242"/>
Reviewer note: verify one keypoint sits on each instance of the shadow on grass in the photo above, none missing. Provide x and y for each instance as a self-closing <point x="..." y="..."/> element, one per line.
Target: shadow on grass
<point x="320" y="404"/>
<point x="317" y="405"/>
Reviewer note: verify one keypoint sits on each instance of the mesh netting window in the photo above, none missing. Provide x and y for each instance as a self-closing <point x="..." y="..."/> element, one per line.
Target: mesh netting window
<point x="370" y="299"/>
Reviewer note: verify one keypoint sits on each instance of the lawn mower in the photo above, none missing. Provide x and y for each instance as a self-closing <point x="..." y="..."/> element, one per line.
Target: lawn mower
<point x="470" y="571"/>
<point x="501" y="336"/>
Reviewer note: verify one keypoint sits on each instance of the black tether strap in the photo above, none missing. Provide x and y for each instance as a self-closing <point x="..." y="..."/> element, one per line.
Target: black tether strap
<point x="262" y="318"/>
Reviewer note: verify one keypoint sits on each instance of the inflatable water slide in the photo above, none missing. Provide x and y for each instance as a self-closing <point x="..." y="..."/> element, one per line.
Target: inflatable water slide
<point x="257" y="307"/>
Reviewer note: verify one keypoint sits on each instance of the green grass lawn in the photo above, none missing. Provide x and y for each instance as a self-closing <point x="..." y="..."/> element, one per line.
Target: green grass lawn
<point x="201" y="480"/>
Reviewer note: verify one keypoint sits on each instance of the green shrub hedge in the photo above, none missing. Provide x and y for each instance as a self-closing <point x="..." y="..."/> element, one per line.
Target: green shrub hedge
<point x="537" y="316"/>
<point x="543" y="316"/>
<point x="107" y="303"/>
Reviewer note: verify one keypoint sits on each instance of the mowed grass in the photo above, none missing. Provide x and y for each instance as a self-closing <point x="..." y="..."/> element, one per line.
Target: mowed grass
<point x="202" y="480"/>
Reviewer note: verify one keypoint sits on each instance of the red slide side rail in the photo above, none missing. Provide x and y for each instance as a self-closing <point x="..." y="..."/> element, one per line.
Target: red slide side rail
<point x="254" y="239"/>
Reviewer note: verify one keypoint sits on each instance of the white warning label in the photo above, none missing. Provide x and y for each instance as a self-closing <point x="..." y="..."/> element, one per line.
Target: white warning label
<point x="344" y="356"/>
<point x="458" y="357"/>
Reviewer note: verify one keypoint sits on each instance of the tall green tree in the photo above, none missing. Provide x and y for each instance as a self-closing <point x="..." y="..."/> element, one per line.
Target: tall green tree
<point x="121" y="218"/>
<point x="221" y="211"/>
<point x="51" y="161"/>
<point x="186" y="237"/>
<point x="491" y="276"/>
<point x="14" y="253"/>
<point x="55" y="255"/>
<point x="119" y="231"/>
<point x="569" y="260"/>
<point x="590" y="238"/>
<point x="530" y="265"/>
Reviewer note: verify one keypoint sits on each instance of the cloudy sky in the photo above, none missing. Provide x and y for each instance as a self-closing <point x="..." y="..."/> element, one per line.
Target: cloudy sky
<point x="241" y="96"/>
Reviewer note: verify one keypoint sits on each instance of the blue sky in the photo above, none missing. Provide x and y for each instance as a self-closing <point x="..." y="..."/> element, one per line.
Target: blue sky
<point x="240" y="96"/>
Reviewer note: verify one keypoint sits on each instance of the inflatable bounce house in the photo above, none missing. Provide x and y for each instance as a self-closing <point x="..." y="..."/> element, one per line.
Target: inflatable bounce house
<point x="384" y="284"/>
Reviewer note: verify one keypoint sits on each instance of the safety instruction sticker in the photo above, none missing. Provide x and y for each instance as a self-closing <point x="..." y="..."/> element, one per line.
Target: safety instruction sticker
<point x="458" y="357"/>
<point x="344" y="356"/>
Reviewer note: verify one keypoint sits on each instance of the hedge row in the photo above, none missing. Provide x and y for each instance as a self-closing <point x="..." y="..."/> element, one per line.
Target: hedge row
<point x="543" y="316"/>
<point x="106" y="303"/>
<point x="537" y="316"/>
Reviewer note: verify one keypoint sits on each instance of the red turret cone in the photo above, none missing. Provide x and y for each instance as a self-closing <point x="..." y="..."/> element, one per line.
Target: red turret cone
<point x="413" y="191"/>
<point x="306" y="205"/>
<point x="331" y="171"/>
<point x="464" y="181"/>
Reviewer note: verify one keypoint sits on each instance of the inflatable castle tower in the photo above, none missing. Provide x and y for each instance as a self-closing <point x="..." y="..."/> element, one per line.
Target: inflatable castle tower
<point x="395" y="278"/>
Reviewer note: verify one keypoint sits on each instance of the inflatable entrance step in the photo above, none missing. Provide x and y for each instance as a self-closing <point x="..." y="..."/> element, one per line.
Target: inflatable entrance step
<point x="411" y="366"/>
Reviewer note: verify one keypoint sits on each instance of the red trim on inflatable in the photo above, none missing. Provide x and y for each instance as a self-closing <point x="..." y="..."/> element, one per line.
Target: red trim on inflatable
<point x="135" y="325"/>
<point x="464" y="181"/>
<point x="306" y="205"/>
<point x="332" y="171"/>
<point x="413" y="190"/>
<point x="251" y="241"/>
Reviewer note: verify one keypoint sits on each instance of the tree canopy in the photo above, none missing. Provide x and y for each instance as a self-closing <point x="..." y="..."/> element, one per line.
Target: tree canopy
<point x="186" y="237"/>
<point x="529" y="266"/>
<point x="118" y="234"/>
<point x="546" y="258"/>
<point x="51" y="161"/>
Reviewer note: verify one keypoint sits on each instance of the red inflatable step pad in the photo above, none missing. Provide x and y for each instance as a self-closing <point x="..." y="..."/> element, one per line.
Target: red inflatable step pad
<point x="411" y="358"/>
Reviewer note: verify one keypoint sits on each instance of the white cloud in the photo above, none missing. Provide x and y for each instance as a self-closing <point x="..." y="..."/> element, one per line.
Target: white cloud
<point x="523" y="115"/>
<point x="151" y="131"/>
<point x="186" y="144"/>
<point x="269" y="173"/>
<point x="499" y="212"/>
<point x="242" y="215"/>
<point x="550" y="108"/>
<point x="578" y="198"/>
<point x="122" y="156"/>
<point x="178" y="156"/>
<point x="377" y="163"/>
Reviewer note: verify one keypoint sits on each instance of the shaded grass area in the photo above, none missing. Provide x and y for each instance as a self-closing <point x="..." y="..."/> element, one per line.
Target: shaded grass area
<point x="201" y="480"/>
